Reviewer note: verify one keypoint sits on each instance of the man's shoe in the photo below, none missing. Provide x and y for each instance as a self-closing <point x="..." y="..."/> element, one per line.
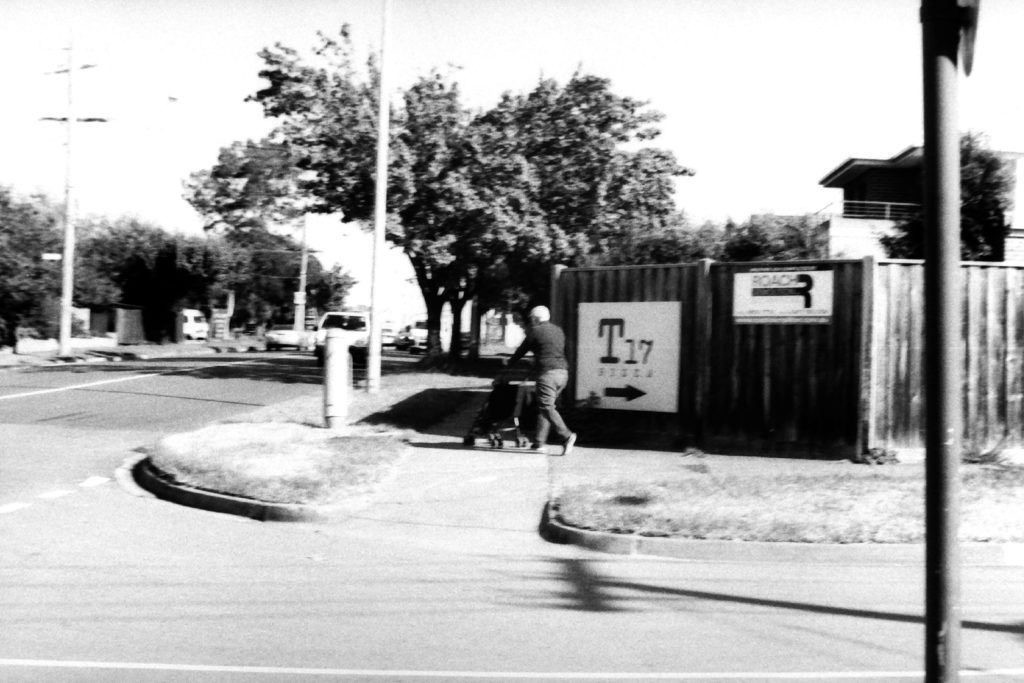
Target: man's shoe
<point x="569" y="443"/>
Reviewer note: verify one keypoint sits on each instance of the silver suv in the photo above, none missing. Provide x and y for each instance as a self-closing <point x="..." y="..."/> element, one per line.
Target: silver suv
<point x="355" y="332"/>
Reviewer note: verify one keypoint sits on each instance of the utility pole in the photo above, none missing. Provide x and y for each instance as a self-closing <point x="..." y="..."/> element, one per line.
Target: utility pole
<point x="68" y="257"/>
<point x="373" y="370"/>
<point x="942" y="22"/>
<point x="299" y="324"/>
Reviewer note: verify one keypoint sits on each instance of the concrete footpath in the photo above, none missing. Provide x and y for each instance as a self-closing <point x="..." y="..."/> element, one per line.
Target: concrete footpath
<point x="447" y="485"/>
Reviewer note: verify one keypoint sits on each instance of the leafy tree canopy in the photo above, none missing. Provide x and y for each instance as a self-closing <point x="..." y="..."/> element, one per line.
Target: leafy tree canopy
<point x="481" y="203"/>
<point x="29" y="286"/>
<point x="985" y="186"/>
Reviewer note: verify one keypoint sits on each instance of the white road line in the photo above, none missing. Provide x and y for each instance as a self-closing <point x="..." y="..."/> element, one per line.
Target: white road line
<point x="522" y="675"/>
<point x="129" y="378"/>
<point x="94" y="481"/>
<point x="12" y="507"/>
<point x="50" y="495"/>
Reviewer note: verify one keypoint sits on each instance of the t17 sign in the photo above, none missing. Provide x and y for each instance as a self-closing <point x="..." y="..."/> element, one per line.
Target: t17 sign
<point x="627" y="355"/>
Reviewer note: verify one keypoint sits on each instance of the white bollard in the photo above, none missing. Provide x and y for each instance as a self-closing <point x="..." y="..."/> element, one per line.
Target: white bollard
<point x="337" y="380"/>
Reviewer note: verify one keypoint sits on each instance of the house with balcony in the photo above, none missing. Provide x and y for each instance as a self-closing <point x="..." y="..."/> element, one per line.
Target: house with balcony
<point x="878" y="194"/>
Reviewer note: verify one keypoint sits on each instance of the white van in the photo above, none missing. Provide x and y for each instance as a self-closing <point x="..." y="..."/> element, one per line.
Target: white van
<point x="194" y="325"/>
<point x="354" y="326"/>
<point x="414" y="337"/>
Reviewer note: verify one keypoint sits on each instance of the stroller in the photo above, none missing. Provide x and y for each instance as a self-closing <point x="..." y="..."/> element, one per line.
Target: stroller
<point x="509" y="412"/>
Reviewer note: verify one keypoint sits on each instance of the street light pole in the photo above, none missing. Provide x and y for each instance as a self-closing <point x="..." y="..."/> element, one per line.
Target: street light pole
<point x="373" y="369"/>
<point x="942" y="22"/>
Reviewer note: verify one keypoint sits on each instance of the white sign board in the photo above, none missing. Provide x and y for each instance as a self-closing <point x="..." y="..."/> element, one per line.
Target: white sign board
<point x="783" y="294"/>
<point x="627" y="355"/>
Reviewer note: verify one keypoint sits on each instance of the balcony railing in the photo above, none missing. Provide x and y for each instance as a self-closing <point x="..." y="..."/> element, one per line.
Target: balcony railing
<point x="892" y="211"/>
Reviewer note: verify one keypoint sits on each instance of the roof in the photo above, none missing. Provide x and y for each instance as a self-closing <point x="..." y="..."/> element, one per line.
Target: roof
<point x="912" y="157"/>
<point x="851" y="169"/>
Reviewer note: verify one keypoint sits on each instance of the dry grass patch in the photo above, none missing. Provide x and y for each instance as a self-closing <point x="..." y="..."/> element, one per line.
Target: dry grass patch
<point x="279" y="462"/>
<point x="879" y="506"/>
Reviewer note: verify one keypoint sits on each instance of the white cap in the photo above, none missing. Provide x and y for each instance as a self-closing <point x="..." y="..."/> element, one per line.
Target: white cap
<point x="540" y="313"/>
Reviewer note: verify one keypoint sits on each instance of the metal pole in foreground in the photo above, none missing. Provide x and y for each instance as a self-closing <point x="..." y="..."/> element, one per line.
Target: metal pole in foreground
<point x="941" y="24"/>
<point x="380" y="215"/>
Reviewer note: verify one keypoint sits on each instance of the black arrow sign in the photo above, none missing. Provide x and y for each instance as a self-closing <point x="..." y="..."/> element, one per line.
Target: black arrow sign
<point x="628" y="392"/>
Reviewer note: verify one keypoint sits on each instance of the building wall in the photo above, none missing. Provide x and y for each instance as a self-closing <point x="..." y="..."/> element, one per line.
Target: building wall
<point x="856" y="237"/>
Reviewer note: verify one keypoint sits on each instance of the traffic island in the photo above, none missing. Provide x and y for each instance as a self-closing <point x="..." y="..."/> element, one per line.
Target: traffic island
<point x="167" y="487"/>
<point x="271" y="471"/>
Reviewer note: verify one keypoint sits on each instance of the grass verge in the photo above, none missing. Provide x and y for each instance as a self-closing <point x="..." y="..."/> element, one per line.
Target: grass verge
<point x="878" y="505"/>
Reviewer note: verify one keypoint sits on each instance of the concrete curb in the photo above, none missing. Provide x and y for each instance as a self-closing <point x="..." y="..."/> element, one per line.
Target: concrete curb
<point x="972" y="554"/>
<point x="11" y="361"/>
<point x="163" y="486"/>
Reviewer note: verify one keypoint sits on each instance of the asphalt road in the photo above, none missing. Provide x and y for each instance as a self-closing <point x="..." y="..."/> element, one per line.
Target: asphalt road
<point x="443" y="577"/>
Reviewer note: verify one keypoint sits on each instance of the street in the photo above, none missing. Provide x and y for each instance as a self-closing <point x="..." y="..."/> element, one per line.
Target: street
<point x="443" y="577"/>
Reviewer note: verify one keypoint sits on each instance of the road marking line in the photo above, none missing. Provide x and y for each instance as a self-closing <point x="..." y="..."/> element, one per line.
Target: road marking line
<point x="94" y="481"/>
<point x="12" y="507"/>
<point x="50" y="495"/>
<point x="129" y="378"/>
<point x="536" y="675"/>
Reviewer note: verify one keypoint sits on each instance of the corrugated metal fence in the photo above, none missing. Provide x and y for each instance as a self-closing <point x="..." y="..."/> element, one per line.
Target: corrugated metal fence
<point x="822" y="390"/>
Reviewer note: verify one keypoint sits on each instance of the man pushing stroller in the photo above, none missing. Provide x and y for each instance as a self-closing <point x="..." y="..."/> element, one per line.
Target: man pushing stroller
<point x="547" y="343"/>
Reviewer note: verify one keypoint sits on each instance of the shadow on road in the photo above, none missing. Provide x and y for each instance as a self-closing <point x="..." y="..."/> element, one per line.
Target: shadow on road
<point x="590" y="592"/>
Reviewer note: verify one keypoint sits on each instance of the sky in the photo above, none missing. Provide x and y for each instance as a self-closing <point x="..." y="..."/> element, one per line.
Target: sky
<point x="762" y="98"/>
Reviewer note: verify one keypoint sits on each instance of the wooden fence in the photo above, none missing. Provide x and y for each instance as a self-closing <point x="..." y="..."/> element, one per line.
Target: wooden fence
<point x="992" y="296"/>
<point x="821" y="390"/>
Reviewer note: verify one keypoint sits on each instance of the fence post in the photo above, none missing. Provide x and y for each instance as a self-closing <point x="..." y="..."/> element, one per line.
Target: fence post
<point x="702" y="322"/>
<point x="560" y="318"/>
<point x="866" y="403"/>
<point x="554" y="299"/>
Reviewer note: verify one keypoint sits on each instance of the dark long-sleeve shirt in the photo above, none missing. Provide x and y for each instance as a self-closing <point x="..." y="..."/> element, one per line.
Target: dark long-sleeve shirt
<point x="547" y="342"/>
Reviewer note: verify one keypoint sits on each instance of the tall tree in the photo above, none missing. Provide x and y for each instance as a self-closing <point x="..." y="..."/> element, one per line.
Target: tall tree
<point x="131" y="262"/>
<point x="676" y="243"/>
<point x="253" y="190"/>
<point x="573" y="136"/>
<point x="589" y="196"/>
<point x="480" y="204"/>
<point x="985" y="186"/>
<point x="29" y="286"/>
<point x="770" y="237"/>
<point x="252" y="187"/>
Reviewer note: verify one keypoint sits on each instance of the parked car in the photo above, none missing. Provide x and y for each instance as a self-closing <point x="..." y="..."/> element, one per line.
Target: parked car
<point x="194" y="324"/>
<point x="282" y="336"/>
<point x="355" y="332"/>
<point x="414" y="338"/>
